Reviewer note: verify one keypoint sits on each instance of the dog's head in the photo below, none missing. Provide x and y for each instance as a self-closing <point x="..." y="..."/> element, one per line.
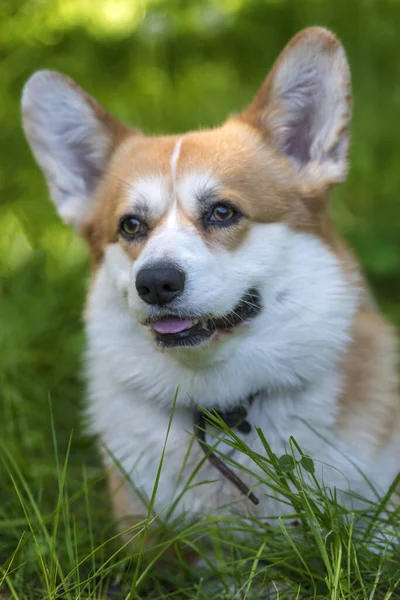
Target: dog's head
<point x="196" y="229"/>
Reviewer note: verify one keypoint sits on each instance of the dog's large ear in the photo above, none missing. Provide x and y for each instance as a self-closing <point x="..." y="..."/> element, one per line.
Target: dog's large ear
<point x="72" y="138"/>
<point x="303" y="108"/>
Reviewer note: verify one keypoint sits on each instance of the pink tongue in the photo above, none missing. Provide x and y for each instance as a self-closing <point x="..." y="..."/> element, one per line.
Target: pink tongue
<point x="171" y="325"/>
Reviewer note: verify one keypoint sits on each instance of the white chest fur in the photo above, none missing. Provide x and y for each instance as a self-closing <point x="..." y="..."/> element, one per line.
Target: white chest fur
<point x="135" y="432"/>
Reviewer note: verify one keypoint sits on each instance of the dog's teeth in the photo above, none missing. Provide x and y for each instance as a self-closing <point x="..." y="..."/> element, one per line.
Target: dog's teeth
<point x="195" y="321"/>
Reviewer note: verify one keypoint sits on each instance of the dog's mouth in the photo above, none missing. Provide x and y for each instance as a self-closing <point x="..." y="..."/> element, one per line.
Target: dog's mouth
<point x="172" y="331"/>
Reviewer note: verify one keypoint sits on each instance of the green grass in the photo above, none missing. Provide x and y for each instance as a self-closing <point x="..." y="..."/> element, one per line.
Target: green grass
<point x="57" y="535"/>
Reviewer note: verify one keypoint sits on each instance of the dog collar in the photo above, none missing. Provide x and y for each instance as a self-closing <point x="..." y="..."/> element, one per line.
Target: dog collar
<point x="236" y="418"/>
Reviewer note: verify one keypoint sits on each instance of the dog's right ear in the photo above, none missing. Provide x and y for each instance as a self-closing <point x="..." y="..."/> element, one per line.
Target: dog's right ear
<point x="304" y="106"/>
<point x="72" y="138"/>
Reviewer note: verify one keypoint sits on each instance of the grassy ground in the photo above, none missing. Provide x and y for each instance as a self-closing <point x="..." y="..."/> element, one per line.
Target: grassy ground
<point x="182" y="65"/>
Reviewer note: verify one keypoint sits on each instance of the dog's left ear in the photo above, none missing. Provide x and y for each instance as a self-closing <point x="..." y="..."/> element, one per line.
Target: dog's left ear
<point x="303" y="108"/>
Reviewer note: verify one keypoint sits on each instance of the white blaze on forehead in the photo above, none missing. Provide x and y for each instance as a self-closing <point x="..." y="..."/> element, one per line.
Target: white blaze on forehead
<point x="173" y="212"/>
<point x="156" y="191"/>
<point x="174" y="162"/>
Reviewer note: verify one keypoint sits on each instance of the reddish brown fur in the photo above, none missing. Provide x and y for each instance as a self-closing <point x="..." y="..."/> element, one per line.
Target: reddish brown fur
<point x="370" y="402"/>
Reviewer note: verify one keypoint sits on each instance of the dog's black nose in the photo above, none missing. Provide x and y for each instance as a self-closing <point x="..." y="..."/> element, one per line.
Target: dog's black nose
<point x="160" y="284"/>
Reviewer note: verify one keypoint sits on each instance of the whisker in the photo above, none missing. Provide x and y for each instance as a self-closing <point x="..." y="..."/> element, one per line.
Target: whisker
<point x="126" y="184"/>
<point x="303" y="306"/>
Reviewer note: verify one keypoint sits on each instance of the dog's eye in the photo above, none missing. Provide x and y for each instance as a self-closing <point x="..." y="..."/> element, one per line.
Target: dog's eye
<point x="222" y="213"/>
<point x="131" y="226"/>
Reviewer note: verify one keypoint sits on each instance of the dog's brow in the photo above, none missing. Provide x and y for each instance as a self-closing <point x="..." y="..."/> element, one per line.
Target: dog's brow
<point x="147" y="197"/>
<point x="150" y="188"/>
<point x="206" y="195"/>
<point x="141" y="209"/>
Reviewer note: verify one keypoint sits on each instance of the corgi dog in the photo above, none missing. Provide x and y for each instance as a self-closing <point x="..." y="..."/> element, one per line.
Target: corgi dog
<point x="218" y="282"/>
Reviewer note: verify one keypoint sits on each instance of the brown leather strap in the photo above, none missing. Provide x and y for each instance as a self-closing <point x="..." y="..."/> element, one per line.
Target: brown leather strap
<point x="200" y="425"/>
